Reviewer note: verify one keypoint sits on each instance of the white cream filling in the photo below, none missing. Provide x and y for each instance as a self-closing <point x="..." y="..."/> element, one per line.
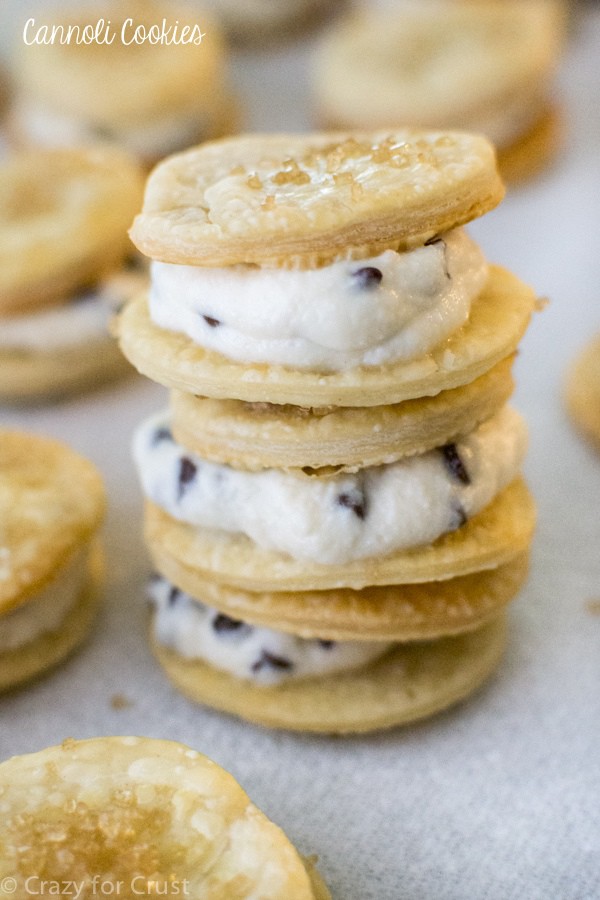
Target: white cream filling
<point x="85" y="318"/>
<point x="261" y="655"/>
<point x="396" y="306"/>
<point x="333" y="520"/>
<point x="153" y="139"/>
<point x="47" y="609"/>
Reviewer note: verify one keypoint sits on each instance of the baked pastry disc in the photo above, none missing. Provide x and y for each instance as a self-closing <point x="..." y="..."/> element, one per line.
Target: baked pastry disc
<point x="64" y="216"/>
<point x="142" y="815"/>
<point x="28" y="661"/>
<point x="264" y="199"/>
<point x="410" y="682"/>
<point x="264" y="435"/>
<point x="498" y="320"/>
<point x="403" y="612"/>
<point x="502" y="531"/>
<point x="582" y="394"/>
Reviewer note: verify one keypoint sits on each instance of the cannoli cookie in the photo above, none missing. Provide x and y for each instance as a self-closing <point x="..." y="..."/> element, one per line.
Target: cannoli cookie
<point x="582" y="394"/>
<point x="137" y="816"/>
<point x="156" y="84"/>
<point x="283" y="681"/>
<point x="51" y="506"/>
<point x="63" y="253"/>
<point x="486" y="66"/>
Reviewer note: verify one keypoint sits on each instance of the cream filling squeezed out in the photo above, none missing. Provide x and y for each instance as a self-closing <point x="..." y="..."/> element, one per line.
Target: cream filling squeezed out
<point x="262" y="655"/>
<point x="333" y="520"/>
<point x="396" y="306"/>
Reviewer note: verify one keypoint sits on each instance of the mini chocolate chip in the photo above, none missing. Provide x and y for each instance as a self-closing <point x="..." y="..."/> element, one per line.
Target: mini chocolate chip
<point x="214" y="323"/>
<point x="354" y="500"/>
<point x="326" y="645"/>
<point x="368" y="277"/>
<point x="162" y="434"/>
<point x="222" y="623"/>
<point x="187" y="473"/>
<point x="174" y="595"/>
<point x="269" y="660"/>
<point x="459" y="515"/>
<point x="454" y="463"/>
<point x="436" y="239"/>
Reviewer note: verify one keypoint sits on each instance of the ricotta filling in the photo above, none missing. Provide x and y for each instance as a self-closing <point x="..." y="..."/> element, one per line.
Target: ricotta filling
<point x="334" y="519"/>
<point x="395" y="306"/>
<point x="261" y="655"/>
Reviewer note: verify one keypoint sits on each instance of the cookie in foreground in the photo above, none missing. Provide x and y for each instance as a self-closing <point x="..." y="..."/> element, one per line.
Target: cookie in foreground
<point x="64" y="256"/>
<point x="582" y="392"/>
<point x="51" y="506"/>
<point x="142" y="816"/>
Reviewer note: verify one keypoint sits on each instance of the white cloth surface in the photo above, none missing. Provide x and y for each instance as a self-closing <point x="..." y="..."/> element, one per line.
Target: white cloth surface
<point x="498" y="798"/>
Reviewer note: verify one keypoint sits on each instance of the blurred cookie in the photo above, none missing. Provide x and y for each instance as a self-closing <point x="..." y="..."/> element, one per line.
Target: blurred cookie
<point x="155" y="85"/>
<point x="51" y="507"/>
<point x="486" y="66"/>
<point x="254" y="21"/>
<point x="63" y="268"/>
<point x="147" y="816"/>
<point x="583" y="391"/>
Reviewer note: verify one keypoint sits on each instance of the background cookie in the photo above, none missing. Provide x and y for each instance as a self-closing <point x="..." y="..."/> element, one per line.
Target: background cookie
<point x="484" y="66"/>
<point x="64" y="216"/>
<point x="582" y="393"/>
<point x="51" y="506"/>
<point x="142" y="813"/>
<point x="149" y="97"/>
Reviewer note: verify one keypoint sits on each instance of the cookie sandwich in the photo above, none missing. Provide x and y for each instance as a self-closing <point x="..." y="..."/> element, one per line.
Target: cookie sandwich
<point x="66" y="263"/>
<point x="582" y="394"/>
<point x="153" y="80"/>
<point x="51" y="506"/>
<point x="484" y="65"/>
<point x="135" y="816"/>
<point x="334" y="505"/>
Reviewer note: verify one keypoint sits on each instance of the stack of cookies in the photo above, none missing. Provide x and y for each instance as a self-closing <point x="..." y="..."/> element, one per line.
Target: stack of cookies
<point x="334" y="505"/>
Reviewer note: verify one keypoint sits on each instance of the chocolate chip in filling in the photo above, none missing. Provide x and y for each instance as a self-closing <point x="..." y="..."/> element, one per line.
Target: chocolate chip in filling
<point x="355" y="500"/>
<point x="211" y="322"/>
<point x="436" y="242"/>
<point x="223" y="624"/>
<point x="174" y="595"/>
<point x="161" y="434"/>
<point x="187" y="473"/>
<point x="368" y="278"/>
<point x="270" y="661"/>
<point x="454" y="463"/>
